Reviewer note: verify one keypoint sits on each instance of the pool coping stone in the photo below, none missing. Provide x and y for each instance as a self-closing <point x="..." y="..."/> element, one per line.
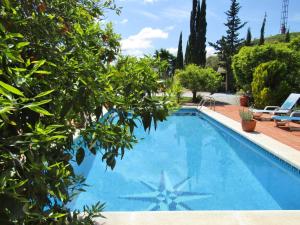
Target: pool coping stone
<point x="282" y="151"/>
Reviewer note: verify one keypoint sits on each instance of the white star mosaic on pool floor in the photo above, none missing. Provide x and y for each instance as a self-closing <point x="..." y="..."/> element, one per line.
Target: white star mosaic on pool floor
<point x="167" y="197"/>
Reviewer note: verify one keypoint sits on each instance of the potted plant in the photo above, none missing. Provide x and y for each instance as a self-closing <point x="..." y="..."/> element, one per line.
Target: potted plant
<point x="244" y="98"/>
<point x="248" y="123"/>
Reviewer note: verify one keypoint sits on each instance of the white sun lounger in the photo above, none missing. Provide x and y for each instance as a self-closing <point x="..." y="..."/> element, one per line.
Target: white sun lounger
<point x="284" y="109"/>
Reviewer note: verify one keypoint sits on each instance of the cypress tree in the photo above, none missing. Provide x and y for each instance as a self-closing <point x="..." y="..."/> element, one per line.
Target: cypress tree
<point x="192" y="54"/>
<point x="287" y="36"/>
<point x="179" y="59"/>
<point x="262" y="31"/>
<point x="229" y="45"/>
<point x="249" y="38"/>
<point x="187" y="57"/>
<point x="201" y="34"/>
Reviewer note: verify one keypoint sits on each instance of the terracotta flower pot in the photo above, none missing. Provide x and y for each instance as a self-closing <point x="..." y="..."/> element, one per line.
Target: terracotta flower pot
<point x="244" y="100"/>
<point x="248" y="125"/>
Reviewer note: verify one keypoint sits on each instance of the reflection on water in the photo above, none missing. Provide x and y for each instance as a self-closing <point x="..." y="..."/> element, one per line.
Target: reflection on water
<point x="205" y="167"/>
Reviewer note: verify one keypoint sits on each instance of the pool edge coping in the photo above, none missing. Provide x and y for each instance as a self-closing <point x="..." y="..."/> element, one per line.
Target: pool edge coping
<point x="271" y="217"/>
<point x="271" y="145"/>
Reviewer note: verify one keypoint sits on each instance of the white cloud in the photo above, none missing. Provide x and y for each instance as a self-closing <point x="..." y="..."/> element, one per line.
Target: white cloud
<point x="210" y="51"/>
<point x="149" y="1"/>
<point x="169" y="28"/>
<point x="124" y="21"/>
<point x="175" y="13"/>
<point x="134" y="44"/>
<point x="134" y="52"/>
<point x="148" y="14"/>
<point x="173" y="51"/>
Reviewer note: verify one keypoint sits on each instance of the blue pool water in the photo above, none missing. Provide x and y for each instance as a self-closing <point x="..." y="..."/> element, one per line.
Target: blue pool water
<point x="191" y="162"/>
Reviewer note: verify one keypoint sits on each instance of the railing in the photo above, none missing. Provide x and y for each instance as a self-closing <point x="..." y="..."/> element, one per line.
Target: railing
<point x="210" y="100"/>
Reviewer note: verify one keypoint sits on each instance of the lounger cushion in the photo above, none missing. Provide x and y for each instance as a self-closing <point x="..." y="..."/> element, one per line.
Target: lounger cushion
<point x="288" y="118"/>
<point x="270" y="111"/>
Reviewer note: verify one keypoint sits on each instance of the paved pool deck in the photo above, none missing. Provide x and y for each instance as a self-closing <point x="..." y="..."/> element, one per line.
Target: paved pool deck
<point x="282" y="134"/>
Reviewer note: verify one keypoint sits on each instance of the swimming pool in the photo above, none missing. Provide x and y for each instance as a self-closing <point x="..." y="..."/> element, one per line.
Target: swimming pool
<point x="191" y="162"/>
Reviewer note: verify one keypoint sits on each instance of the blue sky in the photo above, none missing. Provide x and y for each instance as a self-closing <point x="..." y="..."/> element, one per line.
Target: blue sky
<point x="147" y="25"/>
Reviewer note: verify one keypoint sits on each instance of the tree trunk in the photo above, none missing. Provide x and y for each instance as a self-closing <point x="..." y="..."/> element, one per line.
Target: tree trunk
<point x="194" y="96"/>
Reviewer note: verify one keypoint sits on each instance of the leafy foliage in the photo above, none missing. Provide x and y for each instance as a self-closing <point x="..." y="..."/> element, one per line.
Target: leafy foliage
<point x="199" y="79"/>
<point x="213" y="62"/>
<point x="168" y="63"/>
<point x="230" y="44"/>
<point x="295" y="44"/>
<point x="246" y="115"/>
<point x="56" y="75"/>
<point x="277" y="38"/>
<point x="271" y="83"/>
<point x="249" y="58"/>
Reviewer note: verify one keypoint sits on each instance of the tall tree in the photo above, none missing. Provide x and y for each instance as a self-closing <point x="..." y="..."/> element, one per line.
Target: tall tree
<point x="229" y="45"/>
<point x="187" y="56"/>
<point x="179" y="59"/>
<point x="248" y="38"/>
<point x="287" y="36"/>
<point x="201" y="34"/>
<point x="168" y="61"/>
<point x="262" y="31"/>
<point x="192" y="53"/>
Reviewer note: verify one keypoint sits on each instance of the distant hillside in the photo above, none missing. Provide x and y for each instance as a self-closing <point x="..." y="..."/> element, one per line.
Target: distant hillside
<point x="277" y="38"/>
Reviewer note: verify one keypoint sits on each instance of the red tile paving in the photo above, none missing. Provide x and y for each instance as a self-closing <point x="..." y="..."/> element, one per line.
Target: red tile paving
<point x="291" y="138"/>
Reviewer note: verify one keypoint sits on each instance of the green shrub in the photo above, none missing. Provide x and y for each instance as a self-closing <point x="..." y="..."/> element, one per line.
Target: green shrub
<point x="57" y="71"/>
<point x="197" y="79"/>
<point x="295" y="44"/>
<point x="270" y="85"/>
<point x="246" y="115"/>
<point x="249" y="58"/>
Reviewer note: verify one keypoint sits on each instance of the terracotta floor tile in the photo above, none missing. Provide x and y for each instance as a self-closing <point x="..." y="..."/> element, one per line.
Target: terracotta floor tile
<point x="291" y="138"/>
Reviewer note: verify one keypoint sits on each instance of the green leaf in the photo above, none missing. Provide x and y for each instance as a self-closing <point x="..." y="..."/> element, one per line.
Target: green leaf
<point x="56" y="215"/>
<point x="58" y="137"/>
<point x="6" y="109"/>
<point x="78" y="29"/>
<point x="40" y="110"/>
<point x="44" y="93"/>
<point x="80" y="156"/>
<point x="2" y="28"/>
<point x="22" y="44"/>
<point x="42" y="72"/>
<point x="11" y="89"/>
<point x="39" y="63"/>
<point x="14" y="35"/>
<point x="19" y="69"/>
<point x="33" y="104"/>
<point x="82" y="81"/>
<point x="6" y="4"/>
<point x="13" y="57"/>
<point x="20" y="184"/>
